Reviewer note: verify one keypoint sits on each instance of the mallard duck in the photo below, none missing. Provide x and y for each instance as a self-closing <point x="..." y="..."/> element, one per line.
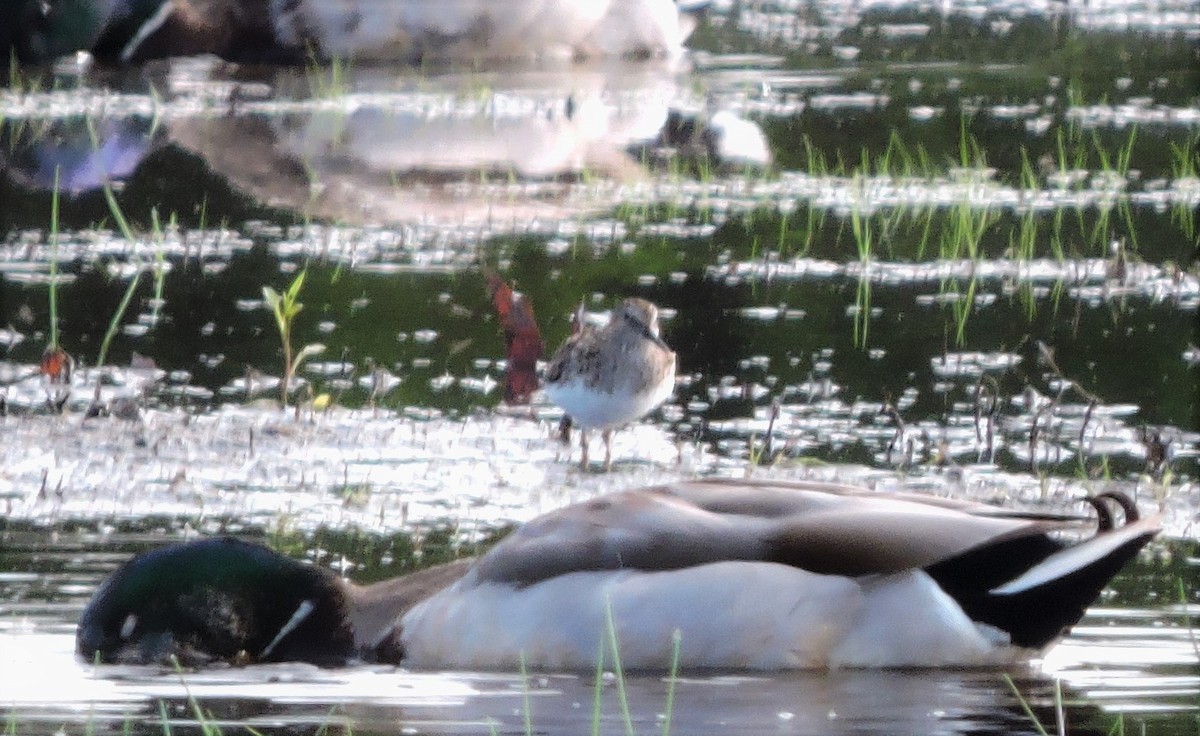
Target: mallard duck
<point x="291" y="30"/>
<point x="605" y="377"/>
<point x="762" y="575"/>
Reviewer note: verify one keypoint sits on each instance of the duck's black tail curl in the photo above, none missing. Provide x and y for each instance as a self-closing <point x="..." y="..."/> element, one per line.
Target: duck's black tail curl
<point x="1035" y="588"/>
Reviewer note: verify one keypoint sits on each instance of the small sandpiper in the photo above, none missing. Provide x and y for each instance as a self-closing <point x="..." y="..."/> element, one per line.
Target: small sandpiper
<point x="605" y="377"/>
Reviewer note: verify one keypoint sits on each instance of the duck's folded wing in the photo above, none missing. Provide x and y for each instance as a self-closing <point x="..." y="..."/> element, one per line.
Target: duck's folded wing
<point x="823" y="529"/>
<point x="635" y="530"/>
<point x="776" y="498"/>
<point x="886" y="540"/>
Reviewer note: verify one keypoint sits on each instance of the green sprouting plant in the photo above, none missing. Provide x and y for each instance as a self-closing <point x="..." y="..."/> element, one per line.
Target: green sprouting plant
<point x="812" y="224"/>
<point x="160" y="266"/>
<point x="757" y="450"/>
<point x="1116" y="167"/>
<point x="864" y="163"/>
<point x="614" y="649"/>
<point x="962" y="311"/>
<point x="285" y="306"/>
<point x="598" y="684"/>
<point x="783" y="227"/>
<point x="526" y="705"/>
<point x="609" y="646"/>
<point x="1070" y="152"/>
<point x="1059" y="713"/>
<point x="54" y="263"/>
<point x="1184" y="216"/>
<point x="1024" y="249"/>
<point x="203" y="720"/>
<point x="814" y="159"/>
<point x="1027" y="236"/>
<point x="1029" y="177"/>
<point x="970" y="153"/>
<point x="326" y="80"/>
<point x="864" y="240"/>
<point x="1120" y="164"/>
<point x="1185" y="164"/>
<point x="18" y="80"/>
<point x="1185" y="159"/>
<point x="114" y="323"/>
<point x="926" y="217"/>
<point x="1056" y="238"/>
<point x="706" y="170"/>
<point x="672" y="680"/>
<point x="965" y="228"/>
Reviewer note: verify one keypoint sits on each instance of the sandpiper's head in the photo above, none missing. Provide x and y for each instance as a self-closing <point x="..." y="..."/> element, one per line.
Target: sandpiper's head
<point x="641" y="312"/>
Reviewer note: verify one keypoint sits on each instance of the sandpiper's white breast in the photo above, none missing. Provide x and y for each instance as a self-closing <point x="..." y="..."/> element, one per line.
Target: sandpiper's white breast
<point x="730" y="614"/>
<point x="592" y="406"/>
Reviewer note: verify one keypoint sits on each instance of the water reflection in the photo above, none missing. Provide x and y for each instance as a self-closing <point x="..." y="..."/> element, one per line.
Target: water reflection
<point x="388" y="701"/>
<point x="79" y="154"/>
<point x="378" y="151"/>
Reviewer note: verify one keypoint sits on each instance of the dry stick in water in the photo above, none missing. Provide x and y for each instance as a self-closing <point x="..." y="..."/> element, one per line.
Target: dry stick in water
<point x="1048" y="411"/>
<point x="1087" y="418"/>
<point x="890" y="410"/>
<point x="988" y="417"/>
<point x="769" y="440"/>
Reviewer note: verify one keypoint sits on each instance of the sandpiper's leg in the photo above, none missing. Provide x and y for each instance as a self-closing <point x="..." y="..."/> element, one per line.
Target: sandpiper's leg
<point x="583" y="447"/>
<point x="607" y="435"/>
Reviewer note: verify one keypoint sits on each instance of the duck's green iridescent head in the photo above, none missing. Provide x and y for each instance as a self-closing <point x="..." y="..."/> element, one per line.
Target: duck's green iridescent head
<point x="43" y="30"/>
<point x="216" y="599"/>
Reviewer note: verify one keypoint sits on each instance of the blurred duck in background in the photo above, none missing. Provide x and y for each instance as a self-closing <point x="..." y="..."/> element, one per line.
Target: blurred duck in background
<point x="398" y="155"/>
<point x="293" y="31"/>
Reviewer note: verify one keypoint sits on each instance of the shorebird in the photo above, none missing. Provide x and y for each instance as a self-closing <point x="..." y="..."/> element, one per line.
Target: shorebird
<point x="753" y="574"/>
<point x="606" y="377"/>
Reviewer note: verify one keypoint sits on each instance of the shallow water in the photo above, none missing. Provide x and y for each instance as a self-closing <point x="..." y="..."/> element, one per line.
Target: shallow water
<point x="969" y="270"/>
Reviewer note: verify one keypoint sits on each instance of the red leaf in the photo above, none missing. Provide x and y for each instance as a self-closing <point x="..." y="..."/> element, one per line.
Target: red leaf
<point x="522" y="338"/>
<point x="56" y="365"/>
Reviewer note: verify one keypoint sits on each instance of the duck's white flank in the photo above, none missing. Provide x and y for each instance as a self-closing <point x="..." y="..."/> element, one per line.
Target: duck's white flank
<point x="731" y="614"/>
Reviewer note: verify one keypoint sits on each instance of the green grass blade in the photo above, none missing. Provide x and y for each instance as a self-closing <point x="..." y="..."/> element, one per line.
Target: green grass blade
<point x="54" y="263"/>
